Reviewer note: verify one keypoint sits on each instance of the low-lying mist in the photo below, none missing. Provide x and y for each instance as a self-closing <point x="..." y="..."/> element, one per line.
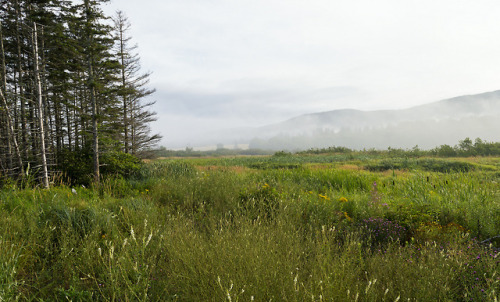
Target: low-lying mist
<point x="426" y="126"/>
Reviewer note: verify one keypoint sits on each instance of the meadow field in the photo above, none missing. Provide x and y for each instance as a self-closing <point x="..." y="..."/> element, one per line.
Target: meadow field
<point x="286" y="227"/>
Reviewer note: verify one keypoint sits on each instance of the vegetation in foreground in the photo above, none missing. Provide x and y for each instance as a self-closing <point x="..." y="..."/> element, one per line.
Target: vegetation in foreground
<point x="324" y="227"/>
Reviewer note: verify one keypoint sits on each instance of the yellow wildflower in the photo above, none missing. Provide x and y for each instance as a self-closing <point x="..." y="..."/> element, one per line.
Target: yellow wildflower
<point x="347" y="216"/>
<point x="324" y="197"/>
<point x="343" y="199"/>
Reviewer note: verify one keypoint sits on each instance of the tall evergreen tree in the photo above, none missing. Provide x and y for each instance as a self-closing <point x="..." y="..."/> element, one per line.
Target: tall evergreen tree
<point x="65" y="92"/>
<point x="132" y="91"/>
<point x="100" y="72"/>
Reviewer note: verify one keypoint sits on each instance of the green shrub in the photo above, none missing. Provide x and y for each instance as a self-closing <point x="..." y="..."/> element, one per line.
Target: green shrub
<point x="444" y="166"/>
<point x="120" y="163"/>
<point x="78" y="167"/>
<point x="426" y="164"/>
<point x="282" y="154"/>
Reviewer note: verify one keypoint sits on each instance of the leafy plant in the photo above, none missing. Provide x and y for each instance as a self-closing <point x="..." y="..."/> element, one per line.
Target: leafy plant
<point x="120" y="163"/>
<point x="380" y="231"/>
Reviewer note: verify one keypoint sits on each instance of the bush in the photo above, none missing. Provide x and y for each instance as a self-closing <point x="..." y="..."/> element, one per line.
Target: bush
<point x="282" y="154"/>
<point x="77" y="166"/>
<point x="444" y="166"/>
<point x="120" y="163"/>
<point x="426" y="164"/>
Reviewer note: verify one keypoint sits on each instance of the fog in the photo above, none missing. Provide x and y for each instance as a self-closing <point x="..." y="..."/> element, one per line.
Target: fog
<point x="426" y="126"/>
<point x="220" y="66"/>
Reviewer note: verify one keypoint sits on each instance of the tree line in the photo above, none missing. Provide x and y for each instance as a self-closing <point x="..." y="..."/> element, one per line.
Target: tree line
<point x="72" y="93"/>
<point x="464" y="148"/>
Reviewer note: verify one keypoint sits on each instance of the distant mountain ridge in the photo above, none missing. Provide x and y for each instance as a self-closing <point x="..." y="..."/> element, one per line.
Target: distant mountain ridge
<point x="429" y="125"/>
<point x="455" y="108"/>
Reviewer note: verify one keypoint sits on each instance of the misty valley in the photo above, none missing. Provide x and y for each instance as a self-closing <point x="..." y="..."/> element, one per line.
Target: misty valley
<point x="334" y="205"/>
<point x="426" y="126"/>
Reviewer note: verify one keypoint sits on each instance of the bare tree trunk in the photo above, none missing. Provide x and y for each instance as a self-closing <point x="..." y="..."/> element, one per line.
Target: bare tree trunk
<point x="93" y="102"/>
<point x="132" y="127"/>
<point x="45" y="175"/>
<point x="83" y="110"/>
<point x="95" y="134"/>
<point x="124" y="83"/>
<point x="47" y="114"/>
<point x="68" y="126"/>
<point x="4" y="87"/>
<point x="58" y="123"/>
<point x="24" y="139"/>
<point x="120" y="23"/>
<point x="75" y="119"/>
<point x="10" y="127"/>
<point x="12" y="133"/>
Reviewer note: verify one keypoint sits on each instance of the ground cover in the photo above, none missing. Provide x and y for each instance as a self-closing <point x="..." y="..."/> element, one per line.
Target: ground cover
<point x="323" y="227"/>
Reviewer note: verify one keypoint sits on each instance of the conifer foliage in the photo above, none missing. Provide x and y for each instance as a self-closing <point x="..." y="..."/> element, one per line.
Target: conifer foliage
<point x="72" y="93"/>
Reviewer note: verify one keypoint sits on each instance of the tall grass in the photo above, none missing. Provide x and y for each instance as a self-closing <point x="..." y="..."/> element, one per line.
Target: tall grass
<point x="198" y="231"/>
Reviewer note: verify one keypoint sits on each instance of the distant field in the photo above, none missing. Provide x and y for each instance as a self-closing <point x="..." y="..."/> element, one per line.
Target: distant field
<point x="323" y="227"/>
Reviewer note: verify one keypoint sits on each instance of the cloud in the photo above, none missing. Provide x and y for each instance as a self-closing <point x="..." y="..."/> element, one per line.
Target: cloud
<point x="249" y="102"/>
<point x="232" y="63"/>
<point x="187" y="115"/>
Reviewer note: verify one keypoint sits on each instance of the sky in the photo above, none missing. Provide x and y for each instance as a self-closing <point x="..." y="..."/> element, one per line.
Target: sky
<point x="219" y="64"/>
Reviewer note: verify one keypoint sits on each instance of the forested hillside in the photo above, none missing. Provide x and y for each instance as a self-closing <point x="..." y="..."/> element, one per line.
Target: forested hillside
<point x="72" y="95"/>
<point x="428" y="126"/>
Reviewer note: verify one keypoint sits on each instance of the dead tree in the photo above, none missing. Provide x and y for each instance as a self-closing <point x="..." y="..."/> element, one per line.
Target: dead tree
<point x="45" y="173"/>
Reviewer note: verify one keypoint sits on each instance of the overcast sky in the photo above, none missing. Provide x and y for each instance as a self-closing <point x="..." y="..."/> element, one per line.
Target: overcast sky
<point x="230" y="63"/>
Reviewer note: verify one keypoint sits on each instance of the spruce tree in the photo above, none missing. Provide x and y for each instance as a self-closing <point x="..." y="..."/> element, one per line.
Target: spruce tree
<point x="101" y="73"/>
<point x="133" y="90"/>
<point x="65" y="92"/>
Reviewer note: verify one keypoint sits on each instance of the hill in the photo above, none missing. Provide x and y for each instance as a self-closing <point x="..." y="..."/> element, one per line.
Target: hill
<point x="429" y="125"/>
<point x="443" y="122"/>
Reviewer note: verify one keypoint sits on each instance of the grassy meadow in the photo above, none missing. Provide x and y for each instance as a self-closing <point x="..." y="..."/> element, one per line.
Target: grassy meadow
<point x="308" y="227"/>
